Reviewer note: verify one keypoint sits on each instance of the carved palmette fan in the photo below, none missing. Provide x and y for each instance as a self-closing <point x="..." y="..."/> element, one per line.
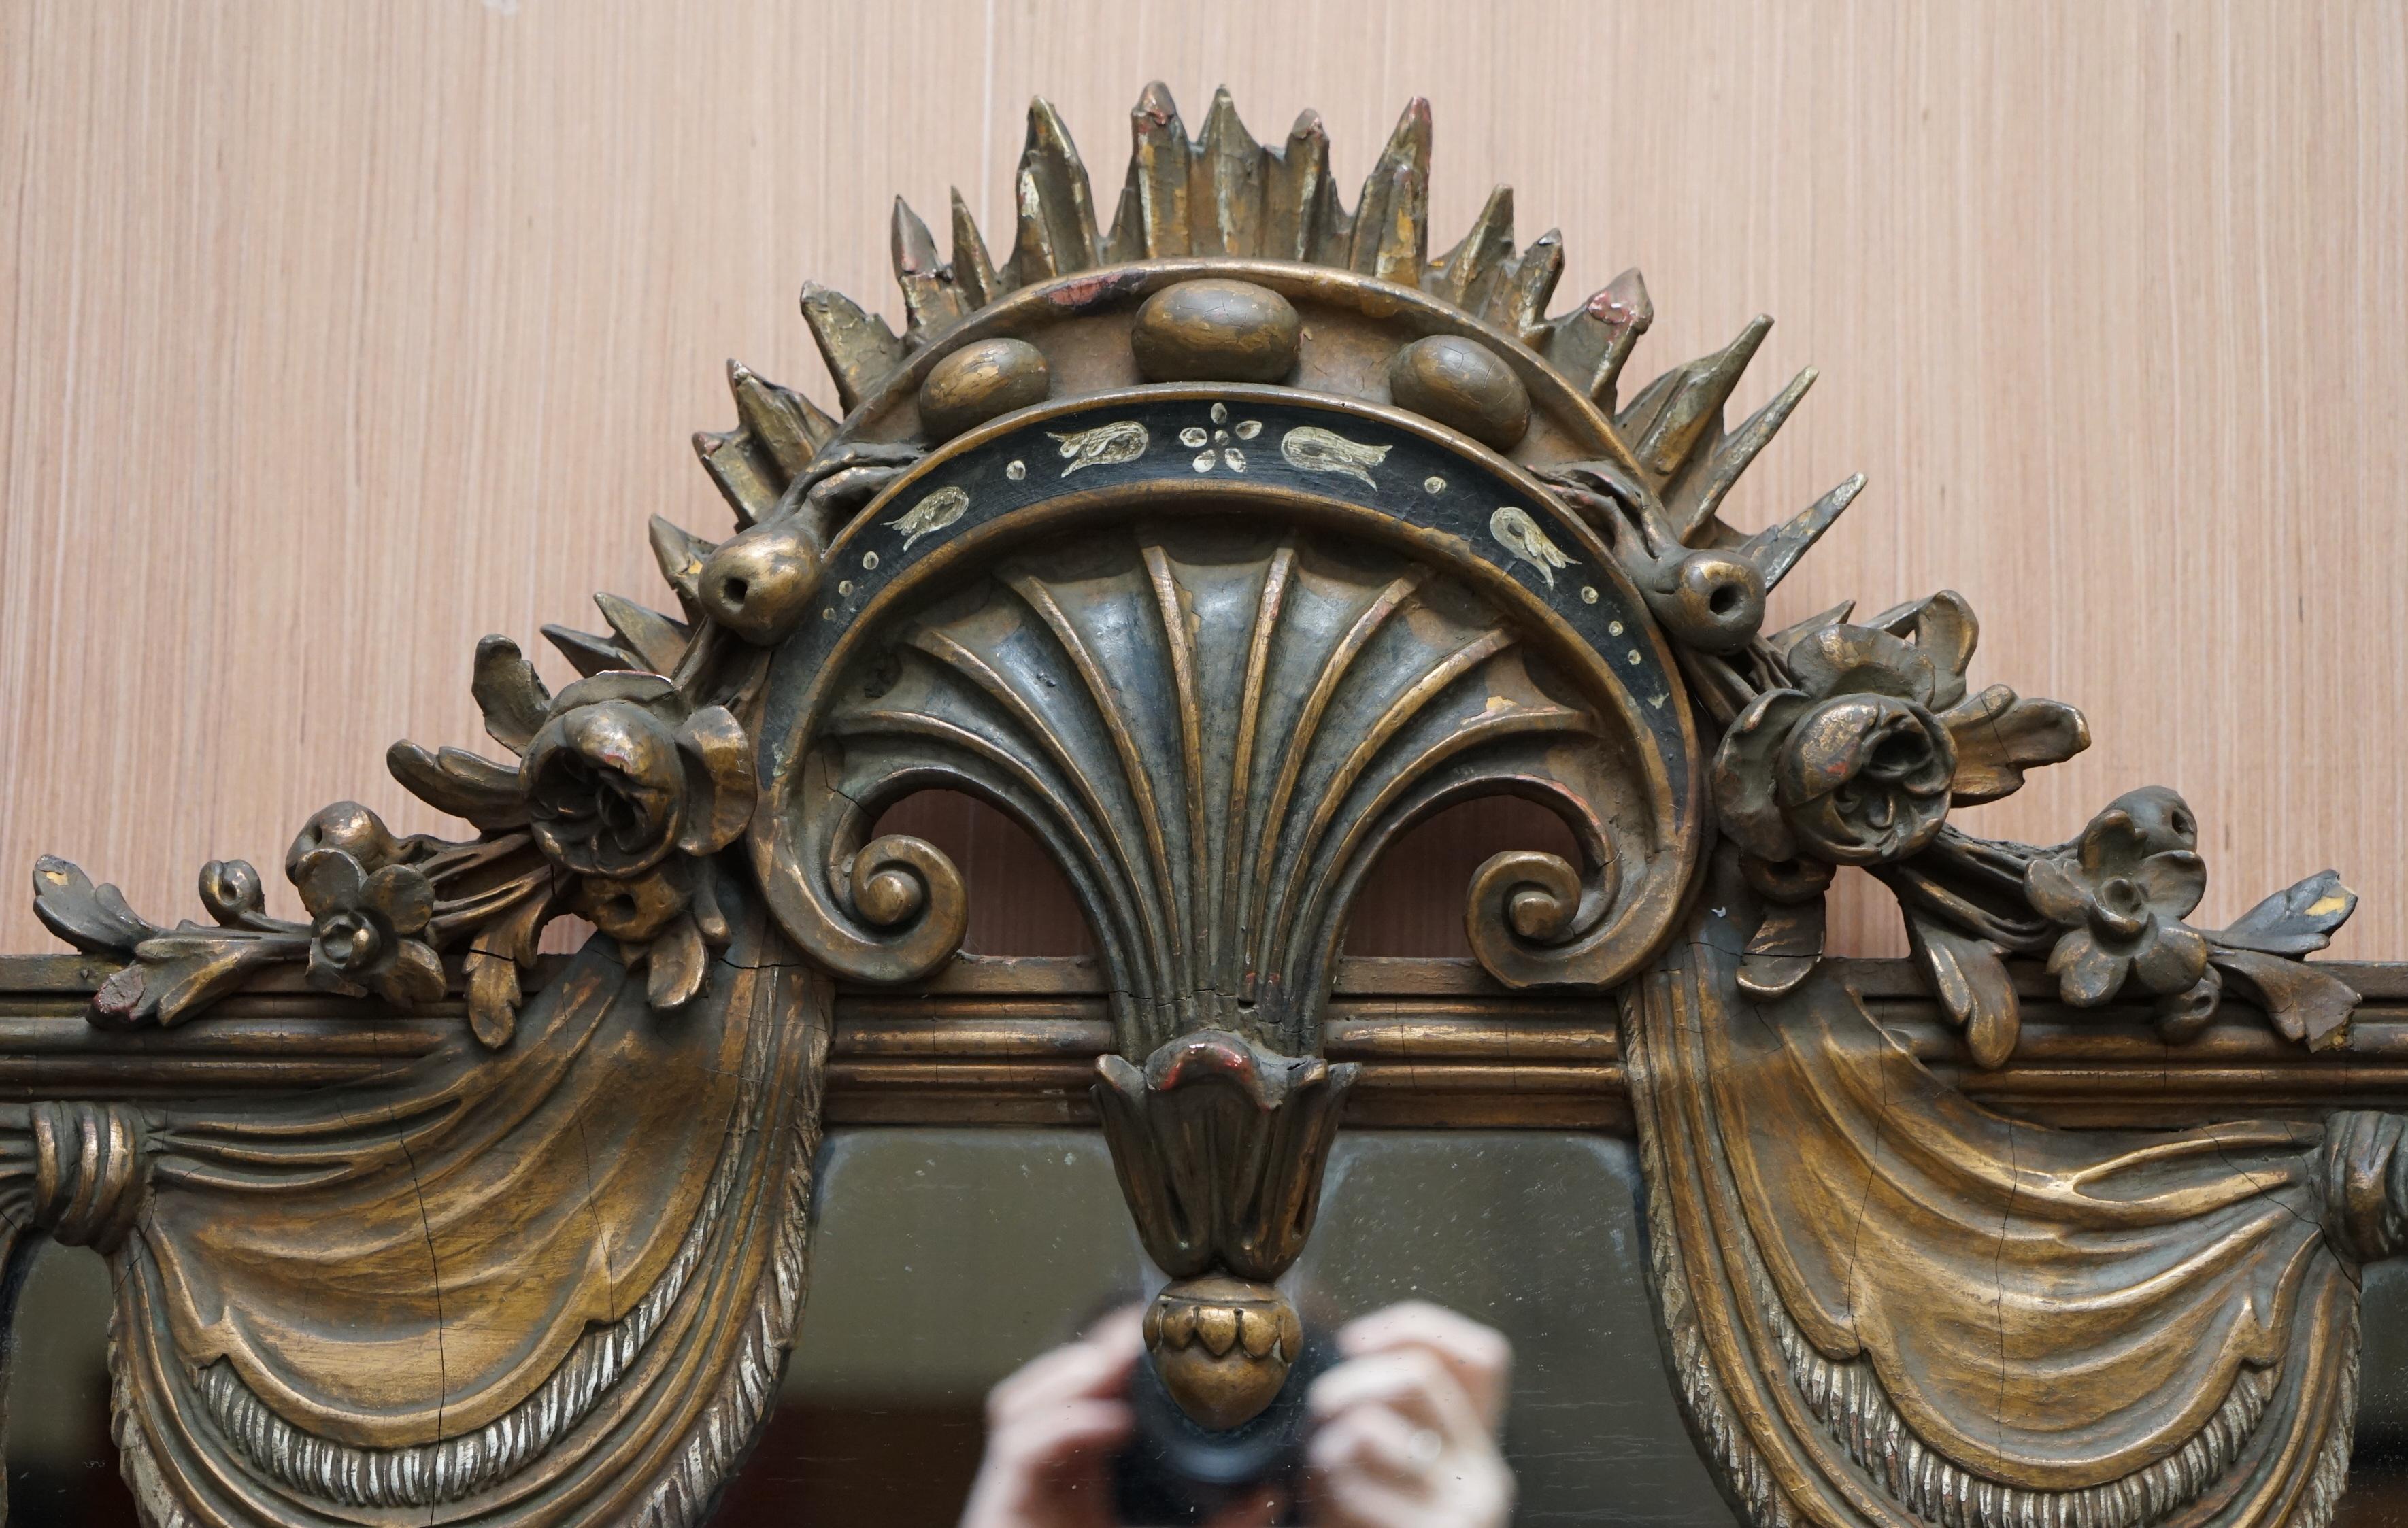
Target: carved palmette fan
<point x="1218" y="542"/>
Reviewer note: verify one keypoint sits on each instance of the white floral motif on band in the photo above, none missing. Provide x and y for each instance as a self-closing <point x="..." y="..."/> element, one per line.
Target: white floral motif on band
<point x="1217" y="446"/>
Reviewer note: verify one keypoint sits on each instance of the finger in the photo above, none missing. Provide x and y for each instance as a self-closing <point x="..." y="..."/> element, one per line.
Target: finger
<point x="1410" y="1382"/>
<point x="1060" y="1436"/>
<point x="1480" y="1357"/>
<point x="1361" y="1502"/>
<point x="1120" y="1330"/>
<point x="1374" y="1442"/>
<point x="1095" y="1367"/>
<point x="1259" y="1510"/>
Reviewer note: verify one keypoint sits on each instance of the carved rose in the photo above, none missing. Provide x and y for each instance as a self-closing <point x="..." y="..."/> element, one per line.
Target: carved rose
<point x="1858" y="760"/>
<point x="2121" y="896"/>
<point x="1851" y="767"/>
<point x="622" y="773"/>
<point x="365" y="928"/>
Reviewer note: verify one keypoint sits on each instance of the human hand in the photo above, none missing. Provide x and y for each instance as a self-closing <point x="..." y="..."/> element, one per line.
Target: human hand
<point x="1053" y="1428"/>
<point x="1405" y="1428"/>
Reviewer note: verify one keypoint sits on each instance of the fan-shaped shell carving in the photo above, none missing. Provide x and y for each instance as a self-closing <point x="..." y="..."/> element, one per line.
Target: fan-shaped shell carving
<point x="1215" y="726"/>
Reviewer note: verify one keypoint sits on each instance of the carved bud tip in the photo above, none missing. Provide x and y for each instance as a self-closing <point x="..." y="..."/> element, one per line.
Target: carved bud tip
<point x="758" y="584"/>
<point x="1216" y="331"/>
<point x="979" y="382"/>
<point x="347" y="826"/>
<point x="1463" y="384"/>
<point x="1223" y="1347"/>
<point x="1715" y="603"/>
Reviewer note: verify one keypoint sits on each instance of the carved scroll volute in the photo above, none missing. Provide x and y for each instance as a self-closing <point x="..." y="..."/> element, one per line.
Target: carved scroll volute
<point x="1215" y="695"/>
<point x="1165" y="631"/>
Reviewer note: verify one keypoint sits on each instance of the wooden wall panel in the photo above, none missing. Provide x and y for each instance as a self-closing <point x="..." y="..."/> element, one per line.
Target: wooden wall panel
<point x="334" y="335"/>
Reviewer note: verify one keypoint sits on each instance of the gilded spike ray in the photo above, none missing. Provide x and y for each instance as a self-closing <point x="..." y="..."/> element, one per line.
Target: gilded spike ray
<point x="1392" y="218"/>
<point x="1776" y="550"/>
<point x="931" y="299"/>
<point x="1695" y="518"/>
<point x="681" y="555"/>
<point x="1674" y="412"/>
<point x="1590" y="343"/>
<point x="973" y="267"/>
<point x="1470" y="274"/>
<point x="651" y="636"/>
<point x="1521" y="300"/>
<point x="859" y="348"/>
<point x="1300" y="214"/>
<point x="1226" y="188"/>
<point x="778" y="432"/>
<point x="1056" y="206"/>
<point x="587" y="653"/>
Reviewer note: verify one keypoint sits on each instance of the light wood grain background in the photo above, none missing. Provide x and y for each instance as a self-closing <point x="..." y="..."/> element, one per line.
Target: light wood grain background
<point x="335" y="334"/>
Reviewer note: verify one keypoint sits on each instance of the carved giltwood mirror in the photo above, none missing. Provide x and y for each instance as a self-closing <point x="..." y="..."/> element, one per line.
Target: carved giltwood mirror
<point x="1218" y="540"/>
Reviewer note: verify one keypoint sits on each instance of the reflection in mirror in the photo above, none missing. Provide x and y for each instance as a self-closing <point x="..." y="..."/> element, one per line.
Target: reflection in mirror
<point x="62" y="1468"/>
<point x="946" y="1258"/>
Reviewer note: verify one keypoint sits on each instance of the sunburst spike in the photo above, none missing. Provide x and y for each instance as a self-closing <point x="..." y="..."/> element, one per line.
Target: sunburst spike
<point x="973" y="267"/>
<point x="929" y="300"/>
<point x="681" y="555"/>
<point x="1520" y="303"/>
<point x="1297" y="198"/>
<point x="1695" y="401"/>
<point x="1776" y="549"/>
<point x="1056" y="208"/>
<point x="1591" y="342"/>
<point x="747" y="490"/>
<point x="1127" y="241"/>
<point x="587" y="653"/>
<point x="1158" y="168"/>
<point x="651" y="636"/>
<point x="1467" y="274"/>
<point x="860" y="349"/>
<point x="1732" y="457"/>
<point x="1392" y="220"/>
<point x="1227" y="185"/>
<point x="782" y="420"/>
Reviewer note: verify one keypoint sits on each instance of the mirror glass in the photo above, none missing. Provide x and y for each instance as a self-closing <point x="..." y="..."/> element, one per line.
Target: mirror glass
<point x="946" y="1258"/>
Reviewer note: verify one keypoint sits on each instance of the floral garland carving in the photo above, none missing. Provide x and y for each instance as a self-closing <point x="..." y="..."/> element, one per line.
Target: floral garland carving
<point x="1848" y="746"/>
<point x="618" y="798"/>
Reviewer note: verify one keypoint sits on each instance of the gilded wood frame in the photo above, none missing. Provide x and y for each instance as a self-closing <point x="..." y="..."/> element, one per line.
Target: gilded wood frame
<point x="1219" y="542"/>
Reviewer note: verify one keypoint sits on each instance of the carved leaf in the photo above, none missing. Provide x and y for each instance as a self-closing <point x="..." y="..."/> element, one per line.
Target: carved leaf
<point x="1970" y="978"/>
<point x="1999" y="736"/>
<point x="679" y="962"/>
<point x="177" y="975"/>
<point x="501" y="950"/>
<point x="2296" y="922"/>
<point x="509" y="693"/>
<point x="94" y="918"/>
<point x="2307" y="1005"/>
<point x="1784" y="950"/>
<point x="459" y="782"/>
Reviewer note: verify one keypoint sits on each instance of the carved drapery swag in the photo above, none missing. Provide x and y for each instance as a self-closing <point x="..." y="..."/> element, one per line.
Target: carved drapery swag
<point x="1218" y="541"/>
